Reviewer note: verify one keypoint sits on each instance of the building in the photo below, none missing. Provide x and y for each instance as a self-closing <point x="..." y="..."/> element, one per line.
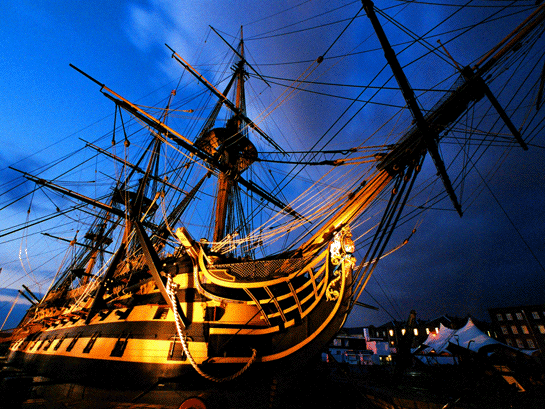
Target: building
<point x="392" y="331"/>
<point x="382" y="342"/>
<point x="353" y="346"/>
<point x="521" y="327"/>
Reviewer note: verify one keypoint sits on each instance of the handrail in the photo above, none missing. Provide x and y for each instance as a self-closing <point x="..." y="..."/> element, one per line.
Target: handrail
<point x="318" y="279"/>
<point x="215" y="279"/>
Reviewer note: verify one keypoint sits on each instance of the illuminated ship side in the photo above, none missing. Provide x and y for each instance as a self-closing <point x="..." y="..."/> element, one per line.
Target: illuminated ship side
<point x="164" y="304"/>
<point x="226" y="316"/>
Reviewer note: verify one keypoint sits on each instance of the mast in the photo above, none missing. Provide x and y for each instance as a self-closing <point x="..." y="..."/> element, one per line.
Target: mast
<point x="208" y="155"/>
<point x="430" y="137"/>
<point x="226" y="181"/>
<point x="415" y="143"/>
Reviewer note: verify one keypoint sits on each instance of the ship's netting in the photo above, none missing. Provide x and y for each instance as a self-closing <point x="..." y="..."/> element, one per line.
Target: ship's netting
<point x="261" y="269"/>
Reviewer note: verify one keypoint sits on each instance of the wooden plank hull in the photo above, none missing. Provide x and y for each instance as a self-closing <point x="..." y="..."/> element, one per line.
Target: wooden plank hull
<point x="137" y="348"/>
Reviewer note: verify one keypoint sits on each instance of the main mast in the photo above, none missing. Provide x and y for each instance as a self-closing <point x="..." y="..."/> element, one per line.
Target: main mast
<point x="231" y="147"/>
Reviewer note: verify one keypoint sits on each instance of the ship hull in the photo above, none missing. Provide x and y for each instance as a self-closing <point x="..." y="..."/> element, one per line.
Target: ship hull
<point x="97" y="372"/>
<point x="141" y="374"/>
<point x="129" y="351"/>
<point x="79" y="368"/>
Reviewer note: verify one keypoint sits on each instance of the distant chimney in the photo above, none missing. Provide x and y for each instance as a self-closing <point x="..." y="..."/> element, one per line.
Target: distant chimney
<point x="366" y="334"/>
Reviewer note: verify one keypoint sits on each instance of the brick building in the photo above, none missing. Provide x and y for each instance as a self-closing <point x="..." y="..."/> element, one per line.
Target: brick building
<point x="521" y="327"/>
<point x="392" y="331"/>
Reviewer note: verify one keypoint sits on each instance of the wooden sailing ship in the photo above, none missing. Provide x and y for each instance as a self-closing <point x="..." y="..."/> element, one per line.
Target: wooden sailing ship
<point x="166" y="303"/>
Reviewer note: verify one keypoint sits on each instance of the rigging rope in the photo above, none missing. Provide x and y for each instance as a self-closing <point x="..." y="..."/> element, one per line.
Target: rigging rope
<point x="171" y="290"/>
<point x="10" y="310"/>
<point x="25" y="244"/>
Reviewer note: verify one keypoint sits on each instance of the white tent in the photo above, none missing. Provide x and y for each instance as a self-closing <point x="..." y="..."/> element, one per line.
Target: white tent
<point x="472" y="338"/>
<point x="438" y="341"/>
<point x="469" y="337"/>
<point x="435" y="350"/>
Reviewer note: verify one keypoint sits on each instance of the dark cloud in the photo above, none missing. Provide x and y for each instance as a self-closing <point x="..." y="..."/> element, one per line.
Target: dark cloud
<point x="493" y="256"/>
<point x="465" y="266"/>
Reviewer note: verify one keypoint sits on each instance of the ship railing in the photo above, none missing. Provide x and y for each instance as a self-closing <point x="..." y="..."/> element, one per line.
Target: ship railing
<point x="282" y="301"/>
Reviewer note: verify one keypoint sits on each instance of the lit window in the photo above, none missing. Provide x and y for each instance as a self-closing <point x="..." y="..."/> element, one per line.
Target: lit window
<point x="499" y="317"/>
<point x="415" y="331"/>
<point x="59" y="342"/>
<point x="525" y="329"/>
<point x="520" y="344"/>
<point x="162" y="312"/>
<point x="40" y="344"/>
<point x="509" y="316"/>
<point x="436" y="330"/>
<point x="391" y="332"/>
<point x="73" y="342"/>
<point x="530" y="343"/>
<point x="176" y="351"/>
<point x="122" y="341"/>
<point x="535" y="314"/>
<point x="504" y="330"/>
<point x="427" y="330"/>
<point x="403" y="331"/>
<point x="541" y="328"/>
<point x="514" y="329"/>
<point x="519" y="316"/>
<point x="91" y="342"/>
<point x="49" y="342"/>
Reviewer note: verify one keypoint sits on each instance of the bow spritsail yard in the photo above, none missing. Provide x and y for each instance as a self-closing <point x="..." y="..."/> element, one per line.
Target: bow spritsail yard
<point x="208" y="247"/>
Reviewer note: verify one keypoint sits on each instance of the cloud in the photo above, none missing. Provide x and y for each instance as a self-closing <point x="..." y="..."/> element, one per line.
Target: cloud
<point x="145" y="26"/>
